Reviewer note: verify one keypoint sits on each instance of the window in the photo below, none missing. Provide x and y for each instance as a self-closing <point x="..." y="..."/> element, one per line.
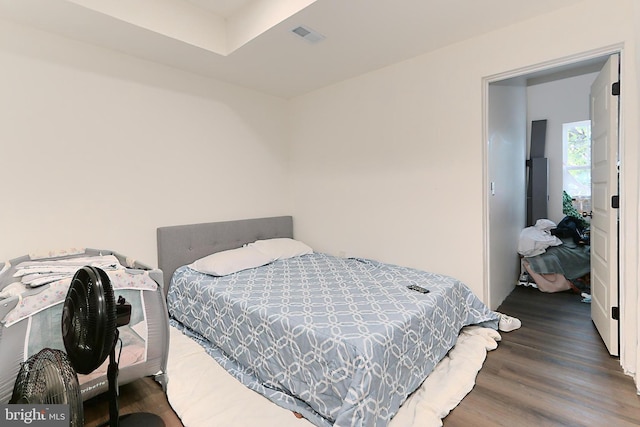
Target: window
<point x="576" y="159"/>
<point x="576" y="163"/>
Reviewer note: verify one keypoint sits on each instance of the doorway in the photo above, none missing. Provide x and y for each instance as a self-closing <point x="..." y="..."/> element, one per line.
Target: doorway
<point x="510" y="99"/>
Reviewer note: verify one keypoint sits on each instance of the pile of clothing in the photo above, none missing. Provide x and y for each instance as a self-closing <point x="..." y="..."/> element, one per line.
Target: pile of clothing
<point x="558" y="258"/>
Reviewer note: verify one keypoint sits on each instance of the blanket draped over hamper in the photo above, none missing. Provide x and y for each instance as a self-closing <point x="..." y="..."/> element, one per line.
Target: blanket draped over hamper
<point x="569" y="259"/>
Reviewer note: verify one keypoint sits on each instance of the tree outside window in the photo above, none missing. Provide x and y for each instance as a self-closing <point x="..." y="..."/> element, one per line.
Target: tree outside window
<point x="577" y="163"/>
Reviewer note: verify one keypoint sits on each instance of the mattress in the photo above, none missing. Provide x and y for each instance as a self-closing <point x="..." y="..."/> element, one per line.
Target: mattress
<point x="31" y="314"/>
<point x="342" y="341"/>
<point x="204" y="395"/>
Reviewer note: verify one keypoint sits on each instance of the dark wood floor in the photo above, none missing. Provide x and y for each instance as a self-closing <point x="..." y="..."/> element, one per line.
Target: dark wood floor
<point x="554" y="371"/>
<point x="143" y="395"/>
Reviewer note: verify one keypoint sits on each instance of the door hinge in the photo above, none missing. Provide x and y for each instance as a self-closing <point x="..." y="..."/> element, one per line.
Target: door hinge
<point x="615" y="202"/>
<point x="615" y="313"/>
<point x="615" y="89"/>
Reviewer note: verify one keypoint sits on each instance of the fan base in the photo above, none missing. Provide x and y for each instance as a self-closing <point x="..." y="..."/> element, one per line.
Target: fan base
<point x="138" y="419"/>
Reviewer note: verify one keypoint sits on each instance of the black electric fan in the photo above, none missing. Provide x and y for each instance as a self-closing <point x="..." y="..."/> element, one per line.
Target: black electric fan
<point x="47" y="378"/>
<point x="90" y="321"/>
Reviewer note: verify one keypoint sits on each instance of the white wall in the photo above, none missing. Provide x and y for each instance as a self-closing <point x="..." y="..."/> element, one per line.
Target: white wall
<point x="99" y="149"/>
<point x="506" y="145"/>
<point x="560" y="101"/>
<point x="383" y="167"/>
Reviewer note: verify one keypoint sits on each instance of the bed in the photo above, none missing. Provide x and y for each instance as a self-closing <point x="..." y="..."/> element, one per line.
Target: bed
<point x="350" y="343"/>
<point x="32" y="292"/>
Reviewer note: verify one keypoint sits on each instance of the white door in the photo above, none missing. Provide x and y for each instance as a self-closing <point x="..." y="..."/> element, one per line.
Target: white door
<point x="604" y="223"/>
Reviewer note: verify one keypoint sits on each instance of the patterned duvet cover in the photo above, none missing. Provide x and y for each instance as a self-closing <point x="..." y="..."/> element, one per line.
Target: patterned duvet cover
<point x="341" y="341"/>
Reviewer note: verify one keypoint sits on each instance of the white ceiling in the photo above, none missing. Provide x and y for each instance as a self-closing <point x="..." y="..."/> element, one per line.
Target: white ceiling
<point x="225" y="8"/>
<point x="249" y="42"/>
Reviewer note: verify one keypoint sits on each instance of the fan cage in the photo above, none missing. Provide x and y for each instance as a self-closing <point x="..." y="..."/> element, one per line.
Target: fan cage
<point x="47" y="377"/>
<point x="89" y="319"/>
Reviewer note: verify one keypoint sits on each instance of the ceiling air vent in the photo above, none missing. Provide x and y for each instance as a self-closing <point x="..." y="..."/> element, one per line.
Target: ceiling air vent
<point x="308" y="34"/>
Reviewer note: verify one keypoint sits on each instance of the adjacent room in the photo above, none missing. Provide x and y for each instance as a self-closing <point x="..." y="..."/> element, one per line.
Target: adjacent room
<point x="553" y="107"/>
<point x="392" y="140"/>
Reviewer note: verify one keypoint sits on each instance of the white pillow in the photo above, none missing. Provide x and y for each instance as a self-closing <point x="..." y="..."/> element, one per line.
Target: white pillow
<point x="281" y="248"/>
<point x="231" y="261"/>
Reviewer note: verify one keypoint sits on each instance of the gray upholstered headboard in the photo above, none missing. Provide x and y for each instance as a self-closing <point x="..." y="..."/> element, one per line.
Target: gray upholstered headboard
<point x="180" y="245"/>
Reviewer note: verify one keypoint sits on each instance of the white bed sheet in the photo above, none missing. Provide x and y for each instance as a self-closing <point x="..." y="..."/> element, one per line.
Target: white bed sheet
<point x="204" y="395"/>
